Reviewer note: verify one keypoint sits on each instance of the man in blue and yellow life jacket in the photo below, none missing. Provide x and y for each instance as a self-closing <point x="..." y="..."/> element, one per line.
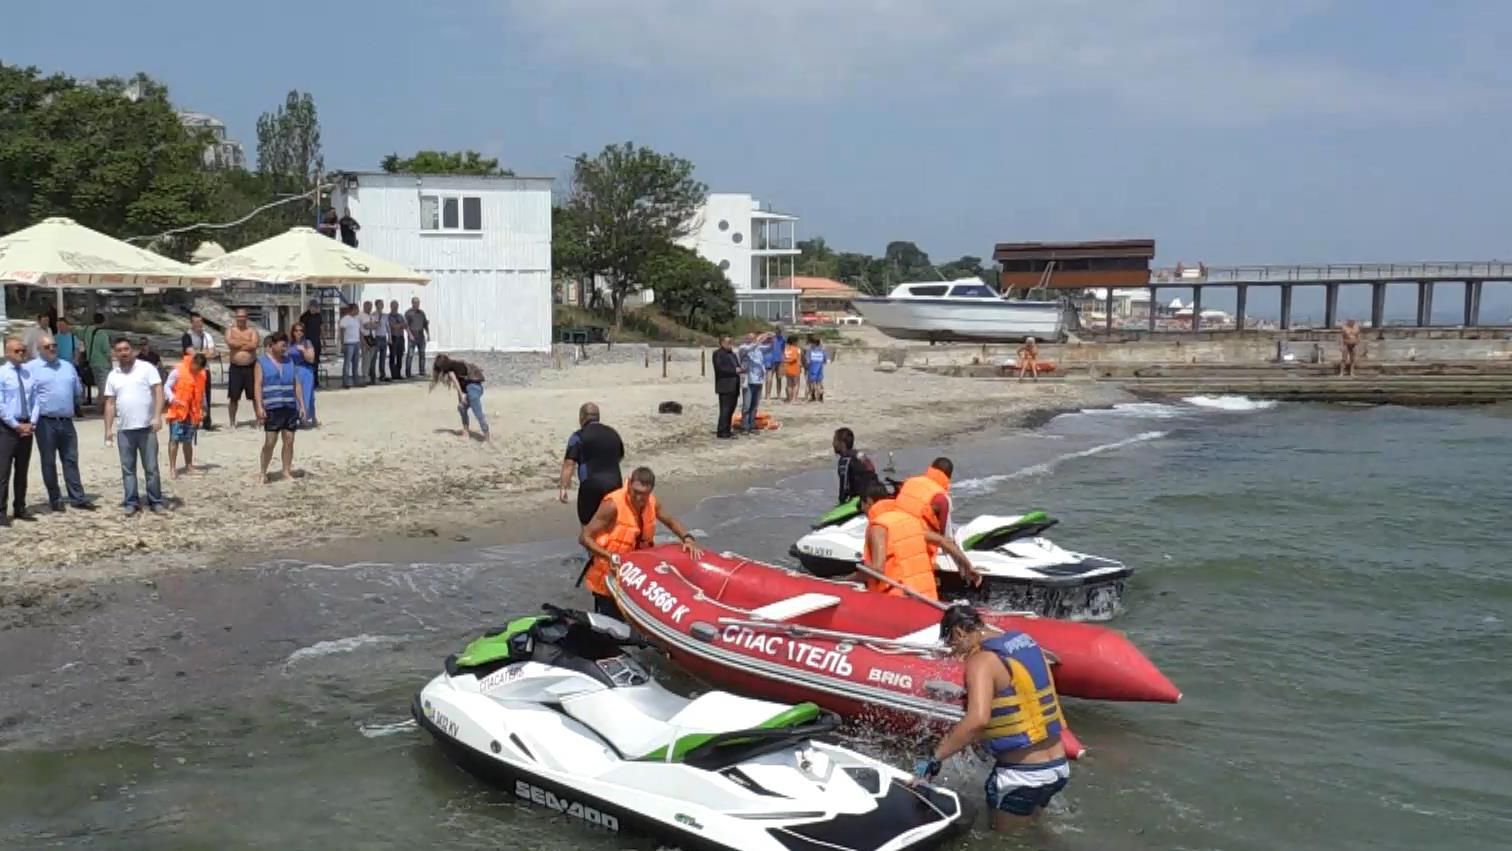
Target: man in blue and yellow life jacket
<point x="1011" y="708"/>
<point x="624" y="522"/>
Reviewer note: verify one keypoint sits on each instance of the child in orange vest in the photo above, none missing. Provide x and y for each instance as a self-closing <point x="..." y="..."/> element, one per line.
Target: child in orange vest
<point x="185" y="392"/>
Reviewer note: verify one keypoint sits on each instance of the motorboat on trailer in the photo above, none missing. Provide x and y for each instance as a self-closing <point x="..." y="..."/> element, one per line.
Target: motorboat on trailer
<point x="962" y="309"/>
<point x="1022" y="570"/>
<point x="554" y="709"/>
<point x="783" y="635"/>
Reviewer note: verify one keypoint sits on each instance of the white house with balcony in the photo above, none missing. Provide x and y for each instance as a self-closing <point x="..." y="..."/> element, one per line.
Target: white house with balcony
<point x="756" y="247"/>
<point x="484" y="241"/>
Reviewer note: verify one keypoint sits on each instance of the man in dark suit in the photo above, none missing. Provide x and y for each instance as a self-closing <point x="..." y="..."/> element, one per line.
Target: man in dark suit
<point x="727" y="385"/>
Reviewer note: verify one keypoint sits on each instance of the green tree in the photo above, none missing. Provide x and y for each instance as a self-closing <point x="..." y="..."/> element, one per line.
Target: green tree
<point x="686" y="284"/>
<point x="817" y="259"/>
<point x="122" y="165"/>
<point x="289" y="157"/>
<point x="444" y="162"/>
<point x="632" y="203"/>
<point x="966" y="267"/>
<point x="569" y="252"/>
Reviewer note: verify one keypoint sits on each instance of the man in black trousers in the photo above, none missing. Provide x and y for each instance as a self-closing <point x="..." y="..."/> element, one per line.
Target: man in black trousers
<point x="727" y="385"/>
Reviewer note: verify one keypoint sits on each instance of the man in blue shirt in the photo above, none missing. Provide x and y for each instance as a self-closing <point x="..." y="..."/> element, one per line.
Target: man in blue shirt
<point x="753" y="361"/>
<point x="15" y="429"/>
<point x="55" y="394"/>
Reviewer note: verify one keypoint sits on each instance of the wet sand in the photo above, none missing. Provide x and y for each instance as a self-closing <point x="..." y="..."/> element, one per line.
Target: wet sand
<point x="389" y="473"/>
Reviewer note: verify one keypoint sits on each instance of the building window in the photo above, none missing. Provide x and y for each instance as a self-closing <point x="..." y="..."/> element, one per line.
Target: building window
<point x="724" y="225"/>
<point x="724" y="265"/>
<point x="927" y="291"/>
<point x="737" y="238"/>
<point x="461" y="213"/>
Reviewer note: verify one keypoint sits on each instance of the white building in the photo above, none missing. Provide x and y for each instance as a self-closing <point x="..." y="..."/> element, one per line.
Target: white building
<point x="485" y="242"/>
<point x="220" y="153"/>
<point x="756" y="248"/>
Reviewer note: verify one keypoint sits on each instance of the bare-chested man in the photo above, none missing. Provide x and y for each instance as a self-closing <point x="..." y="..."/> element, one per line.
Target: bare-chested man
<point x="1349" y="342"/>
<point x="243" y="341"/>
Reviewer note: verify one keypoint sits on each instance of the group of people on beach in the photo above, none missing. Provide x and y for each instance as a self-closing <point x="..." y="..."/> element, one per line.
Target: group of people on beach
<point x="52" y="373"/>
<point x="771" y="364"/>
<point x="1011" y="704"/>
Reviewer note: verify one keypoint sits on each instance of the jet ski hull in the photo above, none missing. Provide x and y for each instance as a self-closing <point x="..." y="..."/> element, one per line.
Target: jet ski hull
<point x="531" y="752"/>
<point x="1025" y="576"/>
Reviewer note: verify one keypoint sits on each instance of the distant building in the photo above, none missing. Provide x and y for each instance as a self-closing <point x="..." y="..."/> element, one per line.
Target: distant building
<point x="756" y="247"/>
<point x="484" y="241"/>
<point x="1074" y="265"/>
<point x="829" y="298"/>
<point x="220" y="152"/>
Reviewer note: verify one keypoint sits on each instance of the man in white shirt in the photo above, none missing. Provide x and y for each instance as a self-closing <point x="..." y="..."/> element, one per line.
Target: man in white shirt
<point x="133" y="417"/>
<point x="369" y="338"/>
<point x="350" y="331"/>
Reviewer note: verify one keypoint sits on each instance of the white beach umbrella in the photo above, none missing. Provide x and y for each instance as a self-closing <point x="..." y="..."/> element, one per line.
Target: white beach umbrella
<point x="306" y="256"/>
<point x="61" y="253"/>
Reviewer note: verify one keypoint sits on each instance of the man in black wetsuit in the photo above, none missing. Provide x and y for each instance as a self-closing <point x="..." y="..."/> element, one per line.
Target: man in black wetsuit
<point x="855" y="469"/>
<point x="594" y="452"/>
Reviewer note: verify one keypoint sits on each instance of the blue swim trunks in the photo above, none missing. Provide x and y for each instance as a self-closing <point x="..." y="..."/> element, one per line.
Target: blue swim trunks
<point x="182" y="432"/>
<point x="1023" y="790"/>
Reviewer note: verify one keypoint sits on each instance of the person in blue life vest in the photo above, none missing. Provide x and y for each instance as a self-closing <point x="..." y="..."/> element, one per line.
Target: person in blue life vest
<point x="1013" y="710"/>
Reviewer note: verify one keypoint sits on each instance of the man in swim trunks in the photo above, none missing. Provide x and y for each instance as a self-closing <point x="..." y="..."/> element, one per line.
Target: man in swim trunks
<point x="1012" y="708"/>
<point x="243" y="341"/>
<point x="1349" y="341"/>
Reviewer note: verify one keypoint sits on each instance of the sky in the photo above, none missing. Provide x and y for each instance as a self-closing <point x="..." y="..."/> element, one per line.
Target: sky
<point x="1231" y="131"/>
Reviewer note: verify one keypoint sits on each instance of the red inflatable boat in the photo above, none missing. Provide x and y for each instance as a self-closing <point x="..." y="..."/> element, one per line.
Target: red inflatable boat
<point x="774" y="633"/>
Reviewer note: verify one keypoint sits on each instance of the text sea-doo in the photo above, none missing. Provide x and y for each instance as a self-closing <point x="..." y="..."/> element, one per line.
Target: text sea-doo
<point x="553" y="709"/>
<point x="1021" y="569"/>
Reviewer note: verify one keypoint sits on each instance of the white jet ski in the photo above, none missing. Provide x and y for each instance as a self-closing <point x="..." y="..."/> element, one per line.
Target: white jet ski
<point x="553" y="709"/>
<point x="1022" y="570"/>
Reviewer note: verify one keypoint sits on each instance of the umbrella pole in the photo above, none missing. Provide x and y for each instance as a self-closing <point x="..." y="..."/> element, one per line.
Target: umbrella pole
<point x="59" y="289"/>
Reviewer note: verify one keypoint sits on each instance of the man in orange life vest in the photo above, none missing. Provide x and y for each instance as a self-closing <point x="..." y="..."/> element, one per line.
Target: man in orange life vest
<point x="1012" y="708"/>
<point x="927" y="497"/>
<point x="626" y="521"/>
<point x="898" y="546"/>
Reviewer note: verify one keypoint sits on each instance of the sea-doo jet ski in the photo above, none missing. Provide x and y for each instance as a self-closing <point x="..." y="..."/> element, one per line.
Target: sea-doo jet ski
<point x="1021" y="569"/>
<point x="553" y="708"/>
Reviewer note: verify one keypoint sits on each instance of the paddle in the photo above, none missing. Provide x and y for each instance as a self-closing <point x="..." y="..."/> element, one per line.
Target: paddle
<point x="939" y="606"/>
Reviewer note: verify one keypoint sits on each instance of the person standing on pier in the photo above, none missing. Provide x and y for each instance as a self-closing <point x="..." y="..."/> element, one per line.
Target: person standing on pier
<point x="1349" y="343"/>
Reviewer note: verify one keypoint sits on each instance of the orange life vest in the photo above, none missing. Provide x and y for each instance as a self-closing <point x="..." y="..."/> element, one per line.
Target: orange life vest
<point x="628" y="534"/>
<point x="908" y="561"/>
<point x="918" y="494"/>
<point x="188" y="402"/>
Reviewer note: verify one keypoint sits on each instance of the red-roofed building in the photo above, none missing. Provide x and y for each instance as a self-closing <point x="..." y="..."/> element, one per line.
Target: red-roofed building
<point x="824" y="296"/>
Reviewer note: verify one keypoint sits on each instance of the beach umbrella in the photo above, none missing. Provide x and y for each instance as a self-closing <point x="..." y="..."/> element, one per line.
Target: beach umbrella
<point x="305" y="256"/>
<point x="61" y="253"/>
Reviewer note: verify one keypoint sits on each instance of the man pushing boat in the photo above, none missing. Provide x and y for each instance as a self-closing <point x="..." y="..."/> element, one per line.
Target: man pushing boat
<point x="624" y="522"/>
<point x="1012" y="708"/>
<point x="898" y="557"/>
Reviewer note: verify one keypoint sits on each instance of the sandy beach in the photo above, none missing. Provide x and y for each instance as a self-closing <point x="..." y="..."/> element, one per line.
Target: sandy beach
<point x="389" y="463"/>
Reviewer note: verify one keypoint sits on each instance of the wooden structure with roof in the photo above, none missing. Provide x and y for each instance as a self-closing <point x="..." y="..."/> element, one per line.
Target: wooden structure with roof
<point x="1074" y="265"/>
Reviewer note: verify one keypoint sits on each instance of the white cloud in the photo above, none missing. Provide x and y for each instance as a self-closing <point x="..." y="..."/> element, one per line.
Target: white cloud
<point x="1212" y="61"/>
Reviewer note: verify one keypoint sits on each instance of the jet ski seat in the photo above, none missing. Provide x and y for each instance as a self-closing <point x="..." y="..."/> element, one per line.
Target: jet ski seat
<point x="638" y="731"/>
<point x="793" y="607"/>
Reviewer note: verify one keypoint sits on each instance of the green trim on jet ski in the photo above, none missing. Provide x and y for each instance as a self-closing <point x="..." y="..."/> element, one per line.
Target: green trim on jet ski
<point x="495" y="646"/>
<point x="840" y="513"/>
<point x="1032" y="518"/>
<point x="793" y="716"/>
